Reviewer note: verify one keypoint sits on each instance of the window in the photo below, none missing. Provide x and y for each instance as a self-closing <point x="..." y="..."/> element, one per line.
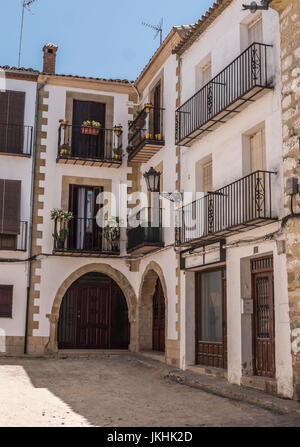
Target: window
<point x="203" y="73"/>
<point x="10" y="199"/>
<point x="6" y="295"/>
<point x="12" y="121"/>
<point x="204" y="179"/>
<point x="255" y="31"/>
<point x="258" y="151"/>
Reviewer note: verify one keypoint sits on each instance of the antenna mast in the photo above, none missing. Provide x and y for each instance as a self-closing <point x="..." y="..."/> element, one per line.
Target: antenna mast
<point x="25" y="4"/>
<point x="158" y="28"/>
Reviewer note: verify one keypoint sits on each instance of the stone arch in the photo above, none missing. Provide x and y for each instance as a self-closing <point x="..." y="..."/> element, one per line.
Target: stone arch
<point x="114" y="274"/>
<point x="145" y="305"/>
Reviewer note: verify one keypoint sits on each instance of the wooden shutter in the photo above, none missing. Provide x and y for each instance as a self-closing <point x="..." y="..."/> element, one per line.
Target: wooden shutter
<point x="10" y="201"/>
<point x="12" y="106"/>
<point x="207" y="177"/>
<point x="257" y="151"/>
<point x="255" y="32"/>
<point x="6" y="295"/>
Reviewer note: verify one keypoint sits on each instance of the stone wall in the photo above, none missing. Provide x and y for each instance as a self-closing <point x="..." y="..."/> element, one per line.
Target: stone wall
<point x="290" y="56"/>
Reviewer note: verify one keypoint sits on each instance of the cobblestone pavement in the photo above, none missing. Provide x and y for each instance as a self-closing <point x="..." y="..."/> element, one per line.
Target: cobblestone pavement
<point x="114" y="391"/>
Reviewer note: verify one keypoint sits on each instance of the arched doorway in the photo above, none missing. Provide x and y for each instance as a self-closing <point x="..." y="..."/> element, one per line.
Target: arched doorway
<point x="93" y="315"/>
<point x="153" y="310"/>
<point x="158" y="325"/>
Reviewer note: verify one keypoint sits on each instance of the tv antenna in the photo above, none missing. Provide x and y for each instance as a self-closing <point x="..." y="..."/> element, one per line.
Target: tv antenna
<point x="158" y="28"/>
<point x="25" y="5"/>
<point x="253" y="7"/>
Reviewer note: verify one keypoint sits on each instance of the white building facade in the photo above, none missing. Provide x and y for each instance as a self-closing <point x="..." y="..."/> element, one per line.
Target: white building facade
<point x="211" y="294"/>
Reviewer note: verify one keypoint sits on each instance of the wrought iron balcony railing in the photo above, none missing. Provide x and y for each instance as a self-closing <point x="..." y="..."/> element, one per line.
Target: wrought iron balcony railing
<point x="225" y="95"/>
<point x="16" y="139"/>
<point x="89" y="145"/>
<point x="146" y="135"/>
<point x="15" y="240"/>
<point x="239" y="206"/>
<point x="148" y="233"/>
<point x="82" y="235"/>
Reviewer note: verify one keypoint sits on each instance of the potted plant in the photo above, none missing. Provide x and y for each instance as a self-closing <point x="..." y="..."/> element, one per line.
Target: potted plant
<point x="158" y="136"/>
<point x="129" y="149"/>
<point x="64" y="122"/>
<point x="111" y="232"/>
<point x="90" y="127"/>
<point x="118" y="130"/>
<point x="118" y="153"/>
<point x="148" y="136"/>
<point x="65" y="149"/>
<point x="62" y="217"/>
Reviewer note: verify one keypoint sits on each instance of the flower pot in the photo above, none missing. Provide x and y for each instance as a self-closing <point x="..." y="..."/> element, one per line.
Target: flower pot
<point x="118" y="130"/>
<point x="158" y="136"/>
<point x="64" y="151"/>
<point x="117" y="156"/>
<point x="148" y="136"/>
<point x="60" y="245"/>
<point x="90" y="130"/>
<point x="148" y="107"/>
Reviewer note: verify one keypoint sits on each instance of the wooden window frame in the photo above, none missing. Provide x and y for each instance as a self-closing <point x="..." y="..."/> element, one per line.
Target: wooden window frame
<point x="8" y="289"/>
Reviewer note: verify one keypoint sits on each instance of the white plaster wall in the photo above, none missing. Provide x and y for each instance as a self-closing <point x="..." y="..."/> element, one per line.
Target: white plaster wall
<point x="234" y="307"/>
<point x="18" y="168"/>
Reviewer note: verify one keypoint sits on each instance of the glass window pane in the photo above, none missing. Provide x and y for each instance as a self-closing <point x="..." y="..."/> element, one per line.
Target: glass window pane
<point x="210" y="307"/>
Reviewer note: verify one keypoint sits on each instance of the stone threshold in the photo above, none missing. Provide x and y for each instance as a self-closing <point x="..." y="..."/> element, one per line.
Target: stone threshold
<point x="265" y="384"/>
<point x="208" y="371"/>
<point x="154" y="355"/>
<point x="70" y="353"/>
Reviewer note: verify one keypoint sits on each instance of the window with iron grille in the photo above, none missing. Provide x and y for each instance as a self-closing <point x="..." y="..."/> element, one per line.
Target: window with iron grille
<point x="6" y="297"/>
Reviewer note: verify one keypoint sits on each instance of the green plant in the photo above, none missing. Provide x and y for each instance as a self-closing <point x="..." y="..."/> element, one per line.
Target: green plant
<point x="96" y="124"/>
<point x="112" y="229"/>
<point x="61" y="214"/>
<point x="61" y="236"/>
<point x="87" y="124"/>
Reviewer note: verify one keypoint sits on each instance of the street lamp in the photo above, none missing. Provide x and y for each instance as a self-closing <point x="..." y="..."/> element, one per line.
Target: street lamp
<point x="152" y="178"/>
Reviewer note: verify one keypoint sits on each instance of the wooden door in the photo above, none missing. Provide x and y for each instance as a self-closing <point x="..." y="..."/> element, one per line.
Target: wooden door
<point x="263" y="319"/>
<point x="84" y="232"/>
<point x="93" y="315"/>
<point x="158" y="318"/>
<point x="88" y="146"/>
<point x="211" y="319"/>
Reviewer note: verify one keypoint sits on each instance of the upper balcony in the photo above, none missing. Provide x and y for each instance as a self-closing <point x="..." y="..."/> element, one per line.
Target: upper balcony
<point x="237" y="207"/>
<point x="227" y="94"/>
<point x="146" y="136"/>
<point x="90" y="146"/>
<point x="83" y="236"/>
<point x="16" y="139"/>
<point x="147" y="235"/>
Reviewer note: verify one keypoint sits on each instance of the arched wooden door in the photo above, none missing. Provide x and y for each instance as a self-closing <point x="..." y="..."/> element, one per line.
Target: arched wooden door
<point x="158" y="318"/>
<point x="93" y="315"/>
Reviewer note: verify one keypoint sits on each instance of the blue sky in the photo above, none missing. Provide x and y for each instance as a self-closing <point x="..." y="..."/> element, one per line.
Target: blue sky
<point x="95" y="37"/>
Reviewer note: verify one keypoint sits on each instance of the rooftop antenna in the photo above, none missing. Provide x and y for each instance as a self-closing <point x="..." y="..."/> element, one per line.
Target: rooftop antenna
<point x="253" y="7"/>
<point x="25" y="5"/>
<point x="158" y="28"/>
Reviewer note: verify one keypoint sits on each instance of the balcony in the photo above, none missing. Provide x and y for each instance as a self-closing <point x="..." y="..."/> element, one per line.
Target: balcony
<point x="89" y="146"/>
<point x="15" y="240"/>
<point x="16" y="140"/>
<point x="83" y="237"/>
<point x="227" y="94"/>
<point x="145" y="137"/>
<point x="147" y="236"/>
<point x="238" y="207"/>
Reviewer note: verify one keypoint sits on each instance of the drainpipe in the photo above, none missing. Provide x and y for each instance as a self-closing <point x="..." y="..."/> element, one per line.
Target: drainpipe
<point x="39" y="87"/>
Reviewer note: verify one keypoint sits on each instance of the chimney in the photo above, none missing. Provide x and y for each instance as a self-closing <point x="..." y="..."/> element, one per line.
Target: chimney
<point x="49" y="58"/>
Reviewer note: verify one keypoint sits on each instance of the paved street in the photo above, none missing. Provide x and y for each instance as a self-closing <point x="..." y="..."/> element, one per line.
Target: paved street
<point x="114" y="391"/>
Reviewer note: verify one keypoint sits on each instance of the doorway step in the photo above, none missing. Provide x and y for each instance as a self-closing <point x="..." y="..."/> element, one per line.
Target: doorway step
<point x="266" y="384"/>
<point x="208" y="371"/>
